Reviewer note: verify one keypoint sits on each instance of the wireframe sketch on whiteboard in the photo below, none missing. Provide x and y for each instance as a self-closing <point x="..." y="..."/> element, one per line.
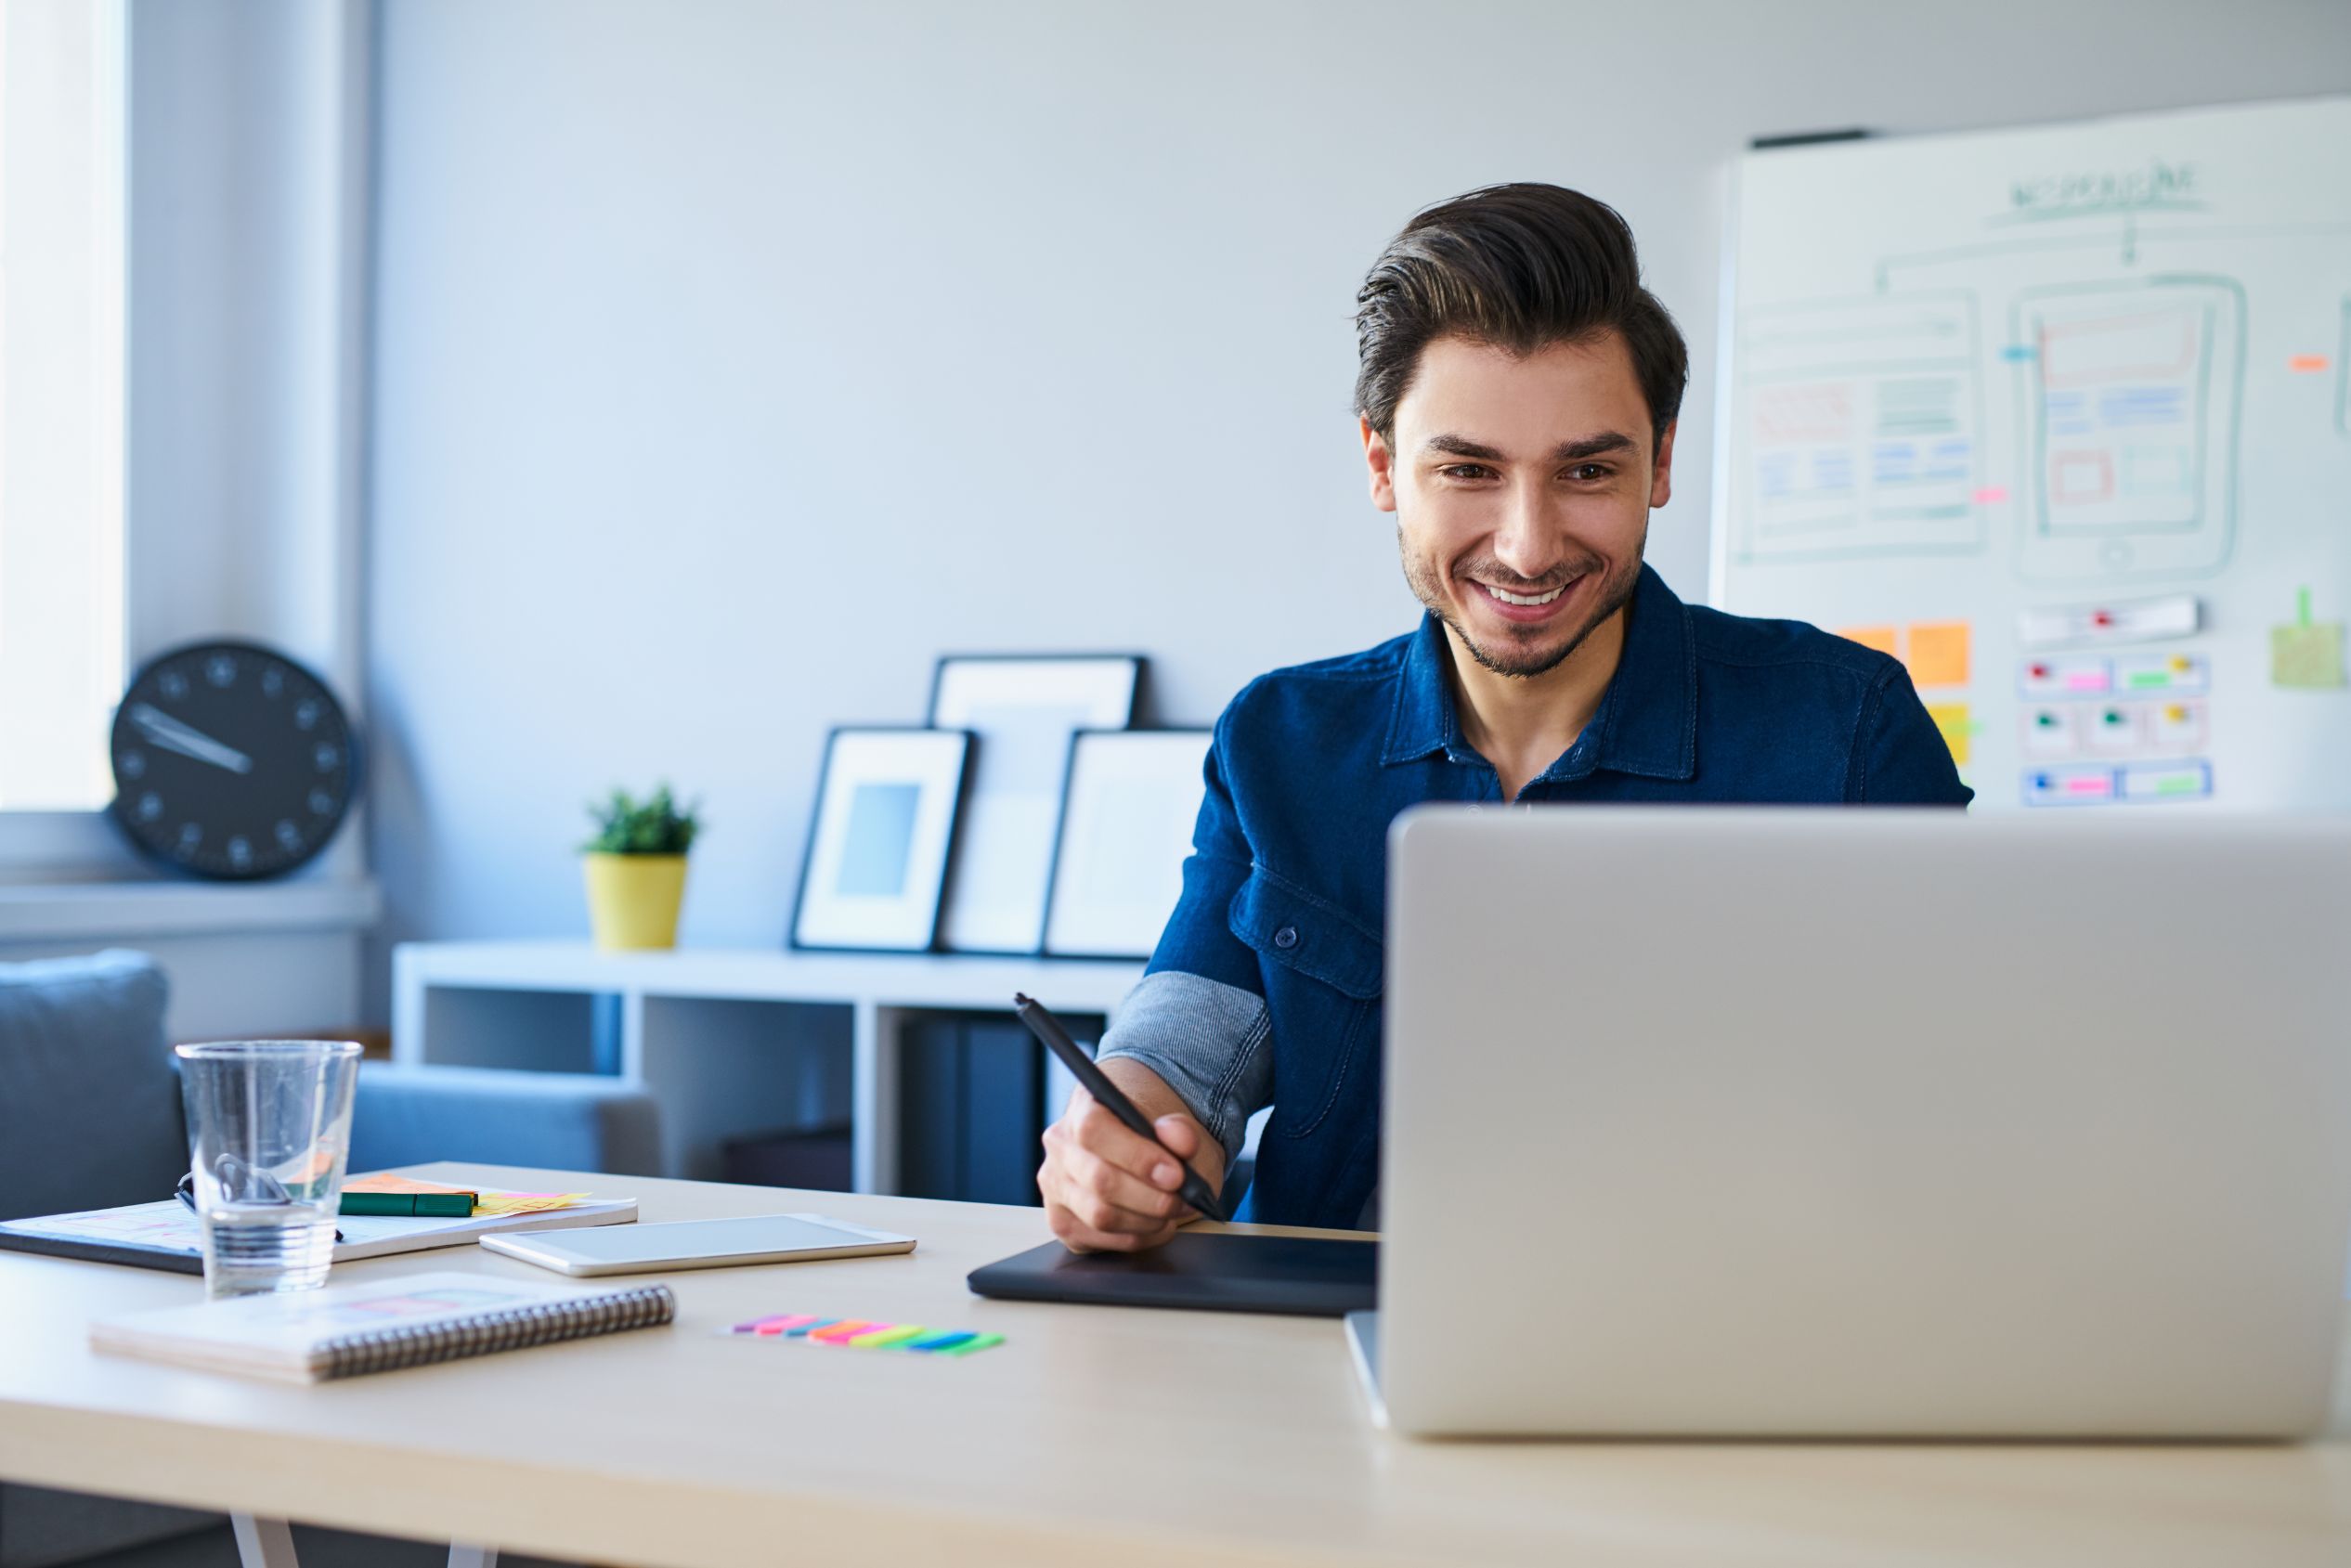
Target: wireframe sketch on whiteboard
<point x="2131" y="413"/>
<point x="1861" y="427"/>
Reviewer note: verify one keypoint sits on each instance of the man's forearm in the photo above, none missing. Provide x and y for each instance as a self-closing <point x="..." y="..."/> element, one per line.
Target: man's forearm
<point x="1154" y="1099"/>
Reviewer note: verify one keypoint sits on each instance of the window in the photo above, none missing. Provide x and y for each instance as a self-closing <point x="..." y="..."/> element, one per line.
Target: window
<point x="62" y="399"/>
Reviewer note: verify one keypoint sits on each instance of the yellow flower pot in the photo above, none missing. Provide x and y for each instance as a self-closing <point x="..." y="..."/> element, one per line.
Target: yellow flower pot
<point x="633" y="900"/>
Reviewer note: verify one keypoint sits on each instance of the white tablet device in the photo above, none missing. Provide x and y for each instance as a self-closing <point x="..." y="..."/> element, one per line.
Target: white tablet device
<point x="643" y="1248"/>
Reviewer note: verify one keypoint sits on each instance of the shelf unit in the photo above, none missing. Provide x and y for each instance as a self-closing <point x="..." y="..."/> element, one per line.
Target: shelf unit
<point x="729" y="1041"/>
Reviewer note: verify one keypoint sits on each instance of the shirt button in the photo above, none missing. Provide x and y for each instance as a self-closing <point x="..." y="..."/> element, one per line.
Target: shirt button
<point x="1286" y="938"/>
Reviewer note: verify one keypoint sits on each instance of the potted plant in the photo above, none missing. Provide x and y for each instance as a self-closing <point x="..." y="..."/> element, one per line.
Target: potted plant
<point x="636" y="869"/>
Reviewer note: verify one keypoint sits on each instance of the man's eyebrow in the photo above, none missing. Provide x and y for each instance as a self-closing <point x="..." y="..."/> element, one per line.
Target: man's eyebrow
<point x="1566" y="451"/>
<point x="1592" y="446"/>
<point x="1462" y="446"/>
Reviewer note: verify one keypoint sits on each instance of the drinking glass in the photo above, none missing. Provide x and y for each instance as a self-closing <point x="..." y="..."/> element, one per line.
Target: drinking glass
<point x="268" y="1128"/>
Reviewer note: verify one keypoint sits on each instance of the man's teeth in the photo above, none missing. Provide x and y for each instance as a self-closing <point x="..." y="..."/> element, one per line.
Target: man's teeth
<point x="1509" y="598"/>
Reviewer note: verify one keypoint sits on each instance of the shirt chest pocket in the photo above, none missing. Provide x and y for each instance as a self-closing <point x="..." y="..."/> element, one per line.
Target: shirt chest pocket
<point x="1323" y="974"/>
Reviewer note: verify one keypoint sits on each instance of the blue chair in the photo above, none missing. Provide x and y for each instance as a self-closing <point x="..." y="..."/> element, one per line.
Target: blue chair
<point x="90" y="1117"/>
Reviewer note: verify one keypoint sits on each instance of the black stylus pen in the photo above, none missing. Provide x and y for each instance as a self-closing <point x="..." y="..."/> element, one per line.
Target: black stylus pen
<point x="1047" y="1028"/>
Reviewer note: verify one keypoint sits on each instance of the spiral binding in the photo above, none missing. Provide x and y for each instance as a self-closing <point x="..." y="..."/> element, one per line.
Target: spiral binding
<point x="388" y="1350"/>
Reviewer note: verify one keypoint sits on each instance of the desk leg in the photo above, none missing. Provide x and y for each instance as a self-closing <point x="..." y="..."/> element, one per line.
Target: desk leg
<point x="262" y="1543"/>
<point x="471" y="1557"/>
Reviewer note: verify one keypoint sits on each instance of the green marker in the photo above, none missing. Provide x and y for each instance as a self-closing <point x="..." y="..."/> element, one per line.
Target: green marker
<point x="417" y="1205"/>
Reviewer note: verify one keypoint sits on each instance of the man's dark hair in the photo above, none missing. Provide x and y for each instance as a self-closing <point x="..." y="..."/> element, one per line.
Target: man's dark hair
<point x="1519" y="266"/>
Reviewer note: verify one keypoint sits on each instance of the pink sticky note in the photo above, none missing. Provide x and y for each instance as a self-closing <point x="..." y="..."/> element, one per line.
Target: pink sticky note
<point x="1992" y="495"/>
<point x="780" y="1325"/>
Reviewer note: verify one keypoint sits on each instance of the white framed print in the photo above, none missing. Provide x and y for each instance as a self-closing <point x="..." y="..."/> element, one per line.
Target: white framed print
<point x="1022" y="708"/>
<point x="880" y="839"/>
<point x="1126" y="827"/>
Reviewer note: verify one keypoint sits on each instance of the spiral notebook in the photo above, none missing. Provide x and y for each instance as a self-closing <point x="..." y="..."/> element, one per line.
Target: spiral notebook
<point x="346" y="1330"/>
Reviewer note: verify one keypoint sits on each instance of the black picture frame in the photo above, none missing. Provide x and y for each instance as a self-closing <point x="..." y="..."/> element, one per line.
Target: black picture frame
<point x="937" y="887"/>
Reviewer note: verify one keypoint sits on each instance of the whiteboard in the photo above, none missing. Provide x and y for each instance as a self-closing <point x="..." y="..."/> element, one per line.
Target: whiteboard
<point x="2060" y="416"/>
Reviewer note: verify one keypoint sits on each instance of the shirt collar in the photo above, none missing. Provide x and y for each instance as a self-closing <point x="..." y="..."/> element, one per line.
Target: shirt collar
<point x="1647" y="721"/>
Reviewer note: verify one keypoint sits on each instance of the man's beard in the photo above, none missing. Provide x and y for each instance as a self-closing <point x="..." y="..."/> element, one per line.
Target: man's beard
<point x="1616" y="592"/>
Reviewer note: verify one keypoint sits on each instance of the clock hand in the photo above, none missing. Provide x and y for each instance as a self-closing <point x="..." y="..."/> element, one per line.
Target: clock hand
<point x="173" y="735"/>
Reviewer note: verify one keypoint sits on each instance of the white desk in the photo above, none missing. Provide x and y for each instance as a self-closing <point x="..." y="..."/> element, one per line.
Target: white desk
<point x="729" y="1041"/>
<point x="1094" y="1436"/>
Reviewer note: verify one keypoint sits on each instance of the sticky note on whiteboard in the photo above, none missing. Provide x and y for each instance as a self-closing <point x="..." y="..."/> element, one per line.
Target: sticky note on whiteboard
<point x="1878" y="637"/>
<point x="1952" y="720"/>
<point x="2307" y="653"/>
<point x="2166" y="781"/>
<point x="1938" y="652"/>
<point x="2069" y="786"/>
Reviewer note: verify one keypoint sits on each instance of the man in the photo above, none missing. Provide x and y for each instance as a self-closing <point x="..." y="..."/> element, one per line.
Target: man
<point x="1516" y="394"/>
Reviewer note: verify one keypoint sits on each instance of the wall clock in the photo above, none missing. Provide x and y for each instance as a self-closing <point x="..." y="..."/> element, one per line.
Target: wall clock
<point x="231" y="761"/>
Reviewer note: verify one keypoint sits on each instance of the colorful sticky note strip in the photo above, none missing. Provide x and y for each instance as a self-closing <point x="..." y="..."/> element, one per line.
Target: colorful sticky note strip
<point x="1878" y="637"/>
<point x="882" y="1339"/>
<point x="846" y="1329"/>
<point x="1938" y="652"/>
<point x="977" y="1342"/>
<point x="858" y="1333"/>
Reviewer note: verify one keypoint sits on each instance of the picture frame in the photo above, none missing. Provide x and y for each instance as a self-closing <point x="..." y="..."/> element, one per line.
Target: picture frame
<point x="1129" y="806"/>
<point x="1021" y="708"/>
<point x="881" y="835"/>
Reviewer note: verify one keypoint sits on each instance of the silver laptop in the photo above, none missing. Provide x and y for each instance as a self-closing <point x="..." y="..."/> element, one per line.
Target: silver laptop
<point x="1825" y="1122"/>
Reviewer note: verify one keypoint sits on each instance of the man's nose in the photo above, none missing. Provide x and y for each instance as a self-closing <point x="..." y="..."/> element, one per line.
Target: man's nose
<point x="1527" y="541"/>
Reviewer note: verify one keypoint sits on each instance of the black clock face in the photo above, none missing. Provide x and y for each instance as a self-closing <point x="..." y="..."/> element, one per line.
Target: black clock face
<point x="231" y="761"/>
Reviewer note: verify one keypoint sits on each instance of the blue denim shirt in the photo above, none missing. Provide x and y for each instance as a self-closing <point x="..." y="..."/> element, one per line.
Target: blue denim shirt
<point x="1265" y="988"/>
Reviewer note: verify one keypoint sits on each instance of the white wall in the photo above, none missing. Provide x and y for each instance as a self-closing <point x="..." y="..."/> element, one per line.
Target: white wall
<point x="733" y="359"/>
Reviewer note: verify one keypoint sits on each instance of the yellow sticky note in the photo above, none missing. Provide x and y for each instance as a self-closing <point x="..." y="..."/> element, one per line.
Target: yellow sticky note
<point x="1938" y="652"/>
<point x="1952" y="720"/>
<point x="1878" y="637"/>
<point x="2307" y="652"/>
<point x="525" y="1203"/>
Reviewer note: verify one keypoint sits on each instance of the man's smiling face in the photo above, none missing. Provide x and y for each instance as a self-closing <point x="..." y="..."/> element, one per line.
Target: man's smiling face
<point x="1522" y="486"/>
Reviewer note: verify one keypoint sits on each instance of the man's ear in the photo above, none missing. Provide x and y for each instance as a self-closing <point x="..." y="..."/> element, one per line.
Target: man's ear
<point x="1661" y="475"/>
<point x="1381" y="463"/>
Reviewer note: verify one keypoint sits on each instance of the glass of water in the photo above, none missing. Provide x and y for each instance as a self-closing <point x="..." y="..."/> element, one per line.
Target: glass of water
<point x="268" y="1128"/>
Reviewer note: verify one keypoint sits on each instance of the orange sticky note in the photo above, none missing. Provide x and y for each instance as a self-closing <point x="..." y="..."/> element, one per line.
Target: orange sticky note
<point x="1952" y="720"/>
<point x="1938" y="652"/>
<point x="1878" y="637"/>
<point x="2306" y="363"/>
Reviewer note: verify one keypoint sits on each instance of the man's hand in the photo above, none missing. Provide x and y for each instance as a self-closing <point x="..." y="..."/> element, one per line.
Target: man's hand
<point x="1111" y="1190"/>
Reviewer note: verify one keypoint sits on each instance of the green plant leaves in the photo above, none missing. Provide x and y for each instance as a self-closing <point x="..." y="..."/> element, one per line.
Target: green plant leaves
<point x="653" y="826"/>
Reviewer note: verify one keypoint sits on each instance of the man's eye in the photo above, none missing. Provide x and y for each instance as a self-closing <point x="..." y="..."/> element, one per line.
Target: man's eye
<point x="1588" y="470"/>
<point x="1466" y="470"/>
